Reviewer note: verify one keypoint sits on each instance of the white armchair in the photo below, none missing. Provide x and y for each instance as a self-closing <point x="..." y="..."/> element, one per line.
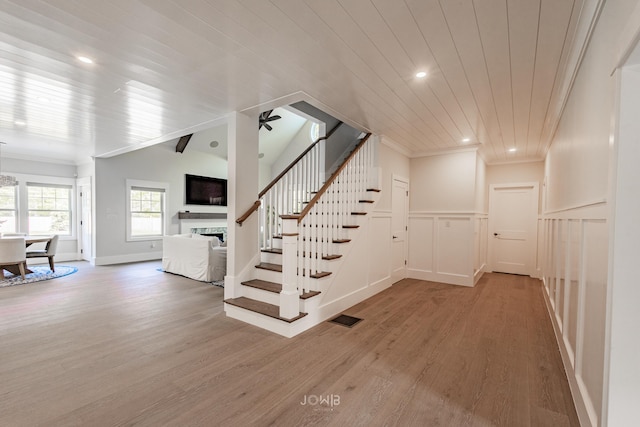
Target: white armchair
<point x="13" y="255"/>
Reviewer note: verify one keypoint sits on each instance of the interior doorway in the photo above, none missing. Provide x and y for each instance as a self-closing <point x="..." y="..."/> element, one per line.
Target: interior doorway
<point x="85" y="234"/>
<point x="399" y="212"/>
<point x="513" y="221"/>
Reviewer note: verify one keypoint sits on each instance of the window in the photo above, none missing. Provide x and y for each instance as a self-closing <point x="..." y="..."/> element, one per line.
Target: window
<point x="49" y="209"/>
<point x="8" y="210"/>
<point x="145" y="210"/>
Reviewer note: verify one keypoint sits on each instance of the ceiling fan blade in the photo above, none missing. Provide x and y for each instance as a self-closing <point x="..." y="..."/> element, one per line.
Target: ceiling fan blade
<point x="272" y="118"/>
<point x="269" y="128"/>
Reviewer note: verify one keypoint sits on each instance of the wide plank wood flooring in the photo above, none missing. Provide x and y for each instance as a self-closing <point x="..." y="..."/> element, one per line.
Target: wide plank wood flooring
<point x="130" y="345"/>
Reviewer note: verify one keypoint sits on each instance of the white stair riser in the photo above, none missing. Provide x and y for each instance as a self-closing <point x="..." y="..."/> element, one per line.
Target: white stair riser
<point x="268" y="275"/>
<point x="261" y="295"/>
<point x="271" y="258"/>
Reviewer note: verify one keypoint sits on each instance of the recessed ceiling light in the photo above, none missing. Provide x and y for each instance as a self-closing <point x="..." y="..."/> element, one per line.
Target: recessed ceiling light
<point x="85" y="59"/>
<point x="20" y="123"/>
<point x="261" y="155"/>
<point x="421" y="74"/>
<point x="513" y="150"/>
<point x="466" y="139"/>
<point x="214" y="144"/>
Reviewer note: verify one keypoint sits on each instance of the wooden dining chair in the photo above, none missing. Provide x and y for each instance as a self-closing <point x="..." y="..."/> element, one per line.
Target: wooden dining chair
<point x="49" y="251"/>
<point x="13" y="255"/>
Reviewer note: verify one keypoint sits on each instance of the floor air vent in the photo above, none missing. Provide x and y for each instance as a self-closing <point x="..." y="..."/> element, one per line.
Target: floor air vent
<point x="345" y="320"/>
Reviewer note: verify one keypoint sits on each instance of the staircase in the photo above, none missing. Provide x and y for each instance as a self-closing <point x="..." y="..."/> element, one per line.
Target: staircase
<point x="306" y="227"/>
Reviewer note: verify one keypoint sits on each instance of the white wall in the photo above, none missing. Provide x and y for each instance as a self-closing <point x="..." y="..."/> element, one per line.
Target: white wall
<point x="623" y="289"/>
<point x="391" y="162"/>
<point x="298" y="144"/>
<point x="38" y="168"/>
<point x="158" y="163"/>
<point x="443" y="183"/>
<point x="447" y="218"/>
<point x="481" y="189"/>
<point x="577" y="219"/>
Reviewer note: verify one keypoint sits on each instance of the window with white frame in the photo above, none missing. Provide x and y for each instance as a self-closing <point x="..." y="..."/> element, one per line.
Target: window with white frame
<point x="49" y="209"/>
<point x="145" y="210"/>
<point x="8" y="209"/>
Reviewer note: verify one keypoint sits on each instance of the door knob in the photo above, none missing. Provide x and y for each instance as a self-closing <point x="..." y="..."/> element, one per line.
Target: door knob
<point x="496" y="234"/>
<point x="395" y="237"/>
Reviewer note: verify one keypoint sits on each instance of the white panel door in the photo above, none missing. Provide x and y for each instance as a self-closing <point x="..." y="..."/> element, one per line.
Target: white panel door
<point x="513" y="212"/>
<point x="85" y="221"/>
<point x="399" y="209"/>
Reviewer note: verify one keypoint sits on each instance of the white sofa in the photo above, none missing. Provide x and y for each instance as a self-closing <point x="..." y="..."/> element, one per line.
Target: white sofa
<point x="194" y="256"/>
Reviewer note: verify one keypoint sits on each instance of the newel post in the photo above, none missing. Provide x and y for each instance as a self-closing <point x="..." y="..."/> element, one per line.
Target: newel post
<point x="289" y="298"/>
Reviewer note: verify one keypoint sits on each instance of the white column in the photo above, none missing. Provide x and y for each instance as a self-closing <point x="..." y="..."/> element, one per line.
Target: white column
<point x="242" y="192"/>
<point x="289" y="298"/>
<point x="622" y="377"/>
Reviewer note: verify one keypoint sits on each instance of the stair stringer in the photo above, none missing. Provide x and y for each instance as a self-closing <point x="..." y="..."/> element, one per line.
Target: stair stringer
<point x="350" y="282"/>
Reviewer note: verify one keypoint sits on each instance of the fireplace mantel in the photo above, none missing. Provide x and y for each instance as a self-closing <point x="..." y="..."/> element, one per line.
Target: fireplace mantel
<point x="202" y="215"/>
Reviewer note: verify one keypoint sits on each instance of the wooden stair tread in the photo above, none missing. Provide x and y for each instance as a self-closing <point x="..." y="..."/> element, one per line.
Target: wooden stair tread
<point x="325" y="257"/>
<point x="309" y="294"/>
<point x="270" y="266"/>
<point x="261" y="307"/>
<point x="333" y="241"/>
<point x="272" y="251"/>
<point x="276" y="288"/>
<point x="366" y="201"/>
<point x="358" y="213"/>
<point x="320" y="274"/>
<point x="264" y="285"/>
<point x="375" y="190"/>
<point x="350" y="226"/>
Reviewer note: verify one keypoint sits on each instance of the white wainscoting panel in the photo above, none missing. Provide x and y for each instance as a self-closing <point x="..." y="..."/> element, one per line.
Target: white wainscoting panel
<point x="454" y="252"/>
<point x="574" y="271"/>
<point x="590" y="362"/>
<point x="447" y="247"/>
<point x="421" y="244"/>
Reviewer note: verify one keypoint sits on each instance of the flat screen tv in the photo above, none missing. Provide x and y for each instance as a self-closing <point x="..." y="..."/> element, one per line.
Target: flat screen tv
<point x="204" y="190"/>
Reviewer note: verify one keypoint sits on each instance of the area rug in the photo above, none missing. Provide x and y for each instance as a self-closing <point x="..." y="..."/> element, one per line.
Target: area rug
<point x="39" y="274"/>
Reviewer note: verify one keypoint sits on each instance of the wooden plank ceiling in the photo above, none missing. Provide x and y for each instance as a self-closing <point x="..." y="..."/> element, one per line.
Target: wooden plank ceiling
<point x="496" y="70"/>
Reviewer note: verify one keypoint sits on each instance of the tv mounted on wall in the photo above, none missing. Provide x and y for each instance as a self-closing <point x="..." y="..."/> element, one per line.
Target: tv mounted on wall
<point x="204" y="190"/>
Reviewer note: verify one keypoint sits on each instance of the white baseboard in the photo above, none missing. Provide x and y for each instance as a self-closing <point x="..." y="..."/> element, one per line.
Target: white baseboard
<point x="60" y="257"/>
<point x="122" y="259"/>
<point x="450" y="279"/>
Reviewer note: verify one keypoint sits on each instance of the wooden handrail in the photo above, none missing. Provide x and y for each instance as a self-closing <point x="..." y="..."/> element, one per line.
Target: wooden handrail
<point x="332" y="178"/>
<point x="248" y="213"/>
<point x="292" y="164"/>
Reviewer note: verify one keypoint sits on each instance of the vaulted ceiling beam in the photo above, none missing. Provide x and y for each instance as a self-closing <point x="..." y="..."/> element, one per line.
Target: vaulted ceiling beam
<point x="182" y="143"/>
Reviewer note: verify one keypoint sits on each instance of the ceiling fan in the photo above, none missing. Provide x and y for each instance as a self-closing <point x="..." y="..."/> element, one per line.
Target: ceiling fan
<point x="264" y="119"/>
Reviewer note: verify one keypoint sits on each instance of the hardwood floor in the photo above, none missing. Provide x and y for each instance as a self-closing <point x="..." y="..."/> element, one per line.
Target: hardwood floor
<point x="130" y="345"/>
